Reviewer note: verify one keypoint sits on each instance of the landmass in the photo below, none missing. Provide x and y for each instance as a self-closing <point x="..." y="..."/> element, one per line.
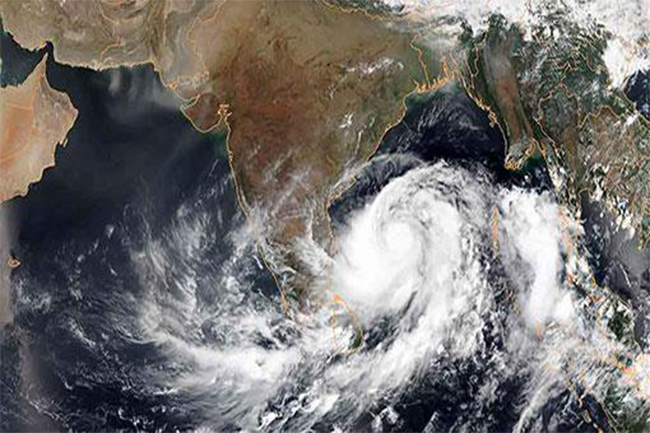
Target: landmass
<point x="305" y="89"/>
<point x="309" y="92"/>
<point x="34" y="119"/>
<point x="595" y="143"/>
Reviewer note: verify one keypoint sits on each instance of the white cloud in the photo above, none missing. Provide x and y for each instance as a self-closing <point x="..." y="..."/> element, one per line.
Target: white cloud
<point x="628" y="21"/>
<point x="532" y="253"/>
<point x="623" y="60"/>
<point x="417" y="257"/>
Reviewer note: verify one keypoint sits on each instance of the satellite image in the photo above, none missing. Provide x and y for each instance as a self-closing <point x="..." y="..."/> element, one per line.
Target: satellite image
<point x="325" y="215"/>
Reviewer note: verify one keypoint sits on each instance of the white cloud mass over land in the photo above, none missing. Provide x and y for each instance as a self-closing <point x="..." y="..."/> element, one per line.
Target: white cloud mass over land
<point x="627" y="23"/>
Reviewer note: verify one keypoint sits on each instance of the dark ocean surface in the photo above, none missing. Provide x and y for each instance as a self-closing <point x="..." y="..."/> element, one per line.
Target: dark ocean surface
<point x="17" y="62"/>
<point x="637" y="89"/>
<point x="445" y="126"/>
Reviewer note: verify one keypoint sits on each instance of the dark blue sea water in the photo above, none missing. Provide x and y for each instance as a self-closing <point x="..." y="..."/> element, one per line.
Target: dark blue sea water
<point x="448" y="126"/>
<point x="637" y="88"/>
<point x="17" y="63"/>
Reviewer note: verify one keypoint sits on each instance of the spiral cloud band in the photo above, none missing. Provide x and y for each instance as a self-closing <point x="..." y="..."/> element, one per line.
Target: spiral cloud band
<point x="442" y="278"/>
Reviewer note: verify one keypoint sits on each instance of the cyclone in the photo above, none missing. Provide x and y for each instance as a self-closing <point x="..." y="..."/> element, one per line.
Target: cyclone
<point x="442" y="277"/>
